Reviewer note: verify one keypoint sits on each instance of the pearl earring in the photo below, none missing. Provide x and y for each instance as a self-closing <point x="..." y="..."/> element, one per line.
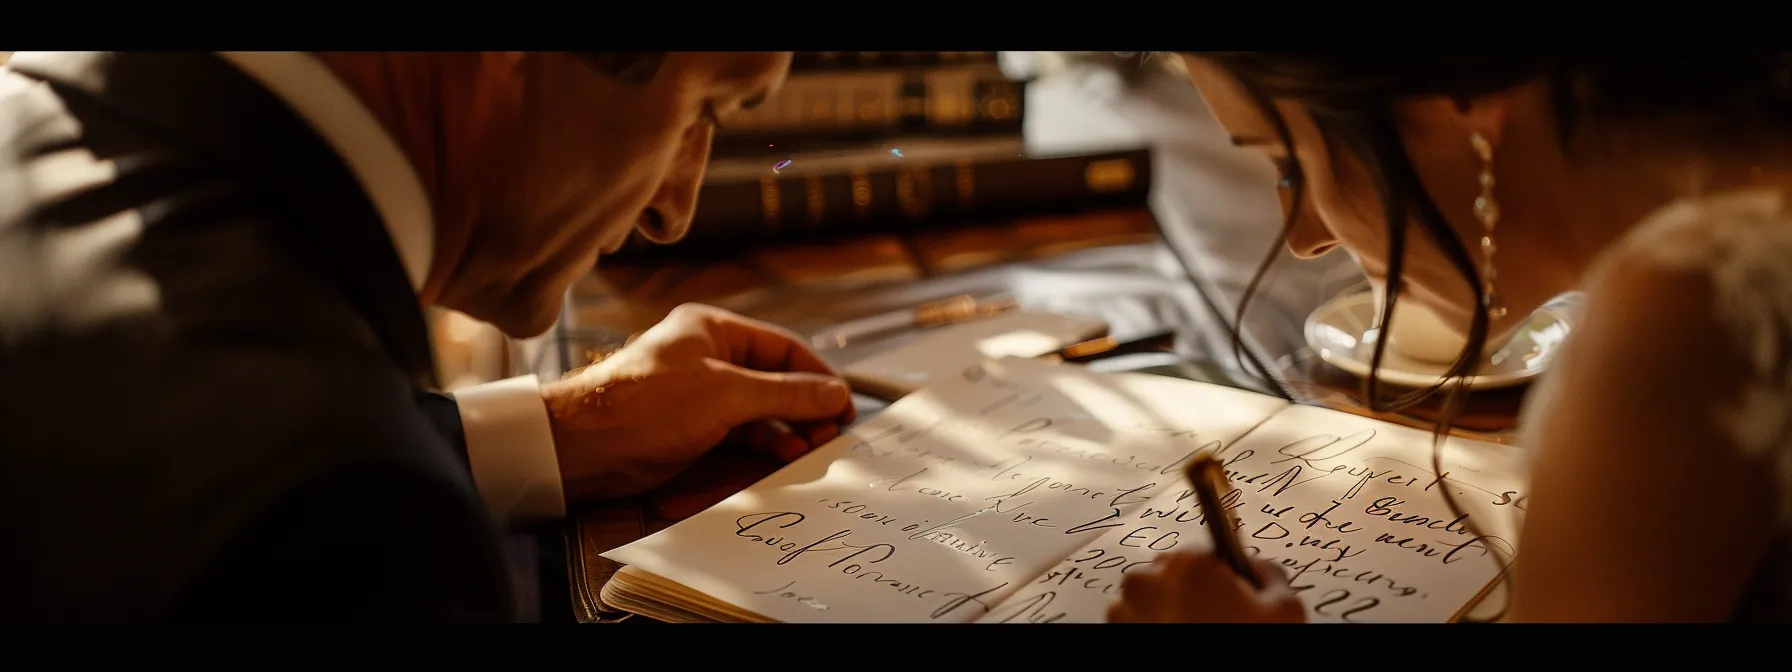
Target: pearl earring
<point x="1488" y="211"/>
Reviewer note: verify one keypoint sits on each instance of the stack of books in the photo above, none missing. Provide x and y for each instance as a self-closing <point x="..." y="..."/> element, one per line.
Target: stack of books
<point x="835" y="100"/>
<point x="889" y="143"/>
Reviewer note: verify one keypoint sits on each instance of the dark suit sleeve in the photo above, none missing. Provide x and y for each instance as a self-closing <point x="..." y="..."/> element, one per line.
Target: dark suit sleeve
<point x="362" y="544"/>
<point x="444" y="415"/>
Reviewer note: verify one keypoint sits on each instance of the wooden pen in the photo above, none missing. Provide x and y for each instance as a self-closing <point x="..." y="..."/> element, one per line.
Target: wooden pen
<point x="1207" y="475"/>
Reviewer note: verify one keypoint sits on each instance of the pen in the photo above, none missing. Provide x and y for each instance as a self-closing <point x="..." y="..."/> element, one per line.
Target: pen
<point x="1108" y="346"/>
<point x="1208" y="477"/>
<point x="931" y="314"/>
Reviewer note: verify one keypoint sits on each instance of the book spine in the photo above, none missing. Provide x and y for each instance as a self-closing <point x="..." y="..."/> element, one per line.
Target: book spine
<point x="776" y="209"/>
<point x="974" y="99"/>
<point x="812" y="61"/>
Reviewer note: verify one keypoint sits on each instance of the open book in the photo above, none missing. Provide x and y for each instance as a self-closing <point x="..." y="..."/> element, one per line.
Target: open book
<point x="1022" y="491"/>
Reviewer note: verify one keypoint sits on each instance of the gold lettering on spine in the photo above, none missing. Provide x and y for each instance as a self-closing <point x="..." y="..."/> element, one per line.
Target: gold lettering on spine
<point x="770" y="201"/>
<point x="1108" y="176"/>
<point x="817" y="202"/>
<point x="914" y="191"/>
<point x="965" y="175"/>
<point x="861" y="193"/>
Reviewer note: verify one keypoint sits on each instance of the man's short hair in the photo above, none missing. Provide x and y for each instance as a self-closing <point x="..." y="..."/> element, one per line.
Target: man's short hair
<point x="634" y="67"/>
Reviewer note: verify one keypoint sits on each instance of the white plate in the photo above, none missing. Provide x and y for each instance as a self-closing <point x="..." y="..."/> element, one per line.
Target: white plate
<point x="1340" y="331"/>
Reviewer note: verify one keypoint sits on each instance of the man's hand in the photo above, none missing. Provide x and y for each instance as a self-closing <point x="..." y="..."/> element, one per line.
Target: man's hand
<point x="631" y="422"/>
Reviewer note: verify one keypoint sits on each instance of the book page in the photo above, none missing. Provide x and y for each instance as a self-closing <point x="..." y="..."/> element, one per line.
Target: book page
<point x="952" y="498"/>
<point x="1350" y="507"/>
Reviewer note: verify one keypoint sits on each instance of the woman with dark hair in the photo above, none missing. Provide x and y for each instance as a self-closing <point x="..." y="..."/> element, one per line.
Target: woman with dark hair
<point x="1483" y="185"/>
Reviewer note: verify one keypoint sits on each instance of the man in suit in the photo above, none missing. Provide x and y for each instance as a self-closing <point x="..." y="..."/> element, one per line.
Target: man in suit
<point x="216" y="388"/>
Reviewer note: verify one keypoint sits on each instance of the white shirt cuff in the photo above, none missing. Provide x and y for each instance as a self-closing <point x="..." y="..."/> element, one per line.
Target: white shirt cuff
<point x="510" y="445"/>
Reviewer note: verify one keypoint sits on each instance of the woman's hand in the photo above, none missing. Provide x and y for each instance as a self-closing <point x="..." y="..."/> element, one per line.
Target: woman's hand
<point x="633" y="421"/>
<point x="1201" y="588"/>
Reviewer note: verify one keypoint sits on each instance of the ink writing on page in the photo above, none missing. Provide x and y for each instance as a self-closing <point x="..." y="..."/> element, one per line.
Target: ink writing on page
<point x="950" y="500"/>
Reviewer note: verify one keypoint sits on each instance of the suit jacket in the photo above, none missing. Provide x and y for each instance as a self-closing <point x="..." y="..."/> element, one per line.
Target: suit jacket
<point x="214" y="373"/>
